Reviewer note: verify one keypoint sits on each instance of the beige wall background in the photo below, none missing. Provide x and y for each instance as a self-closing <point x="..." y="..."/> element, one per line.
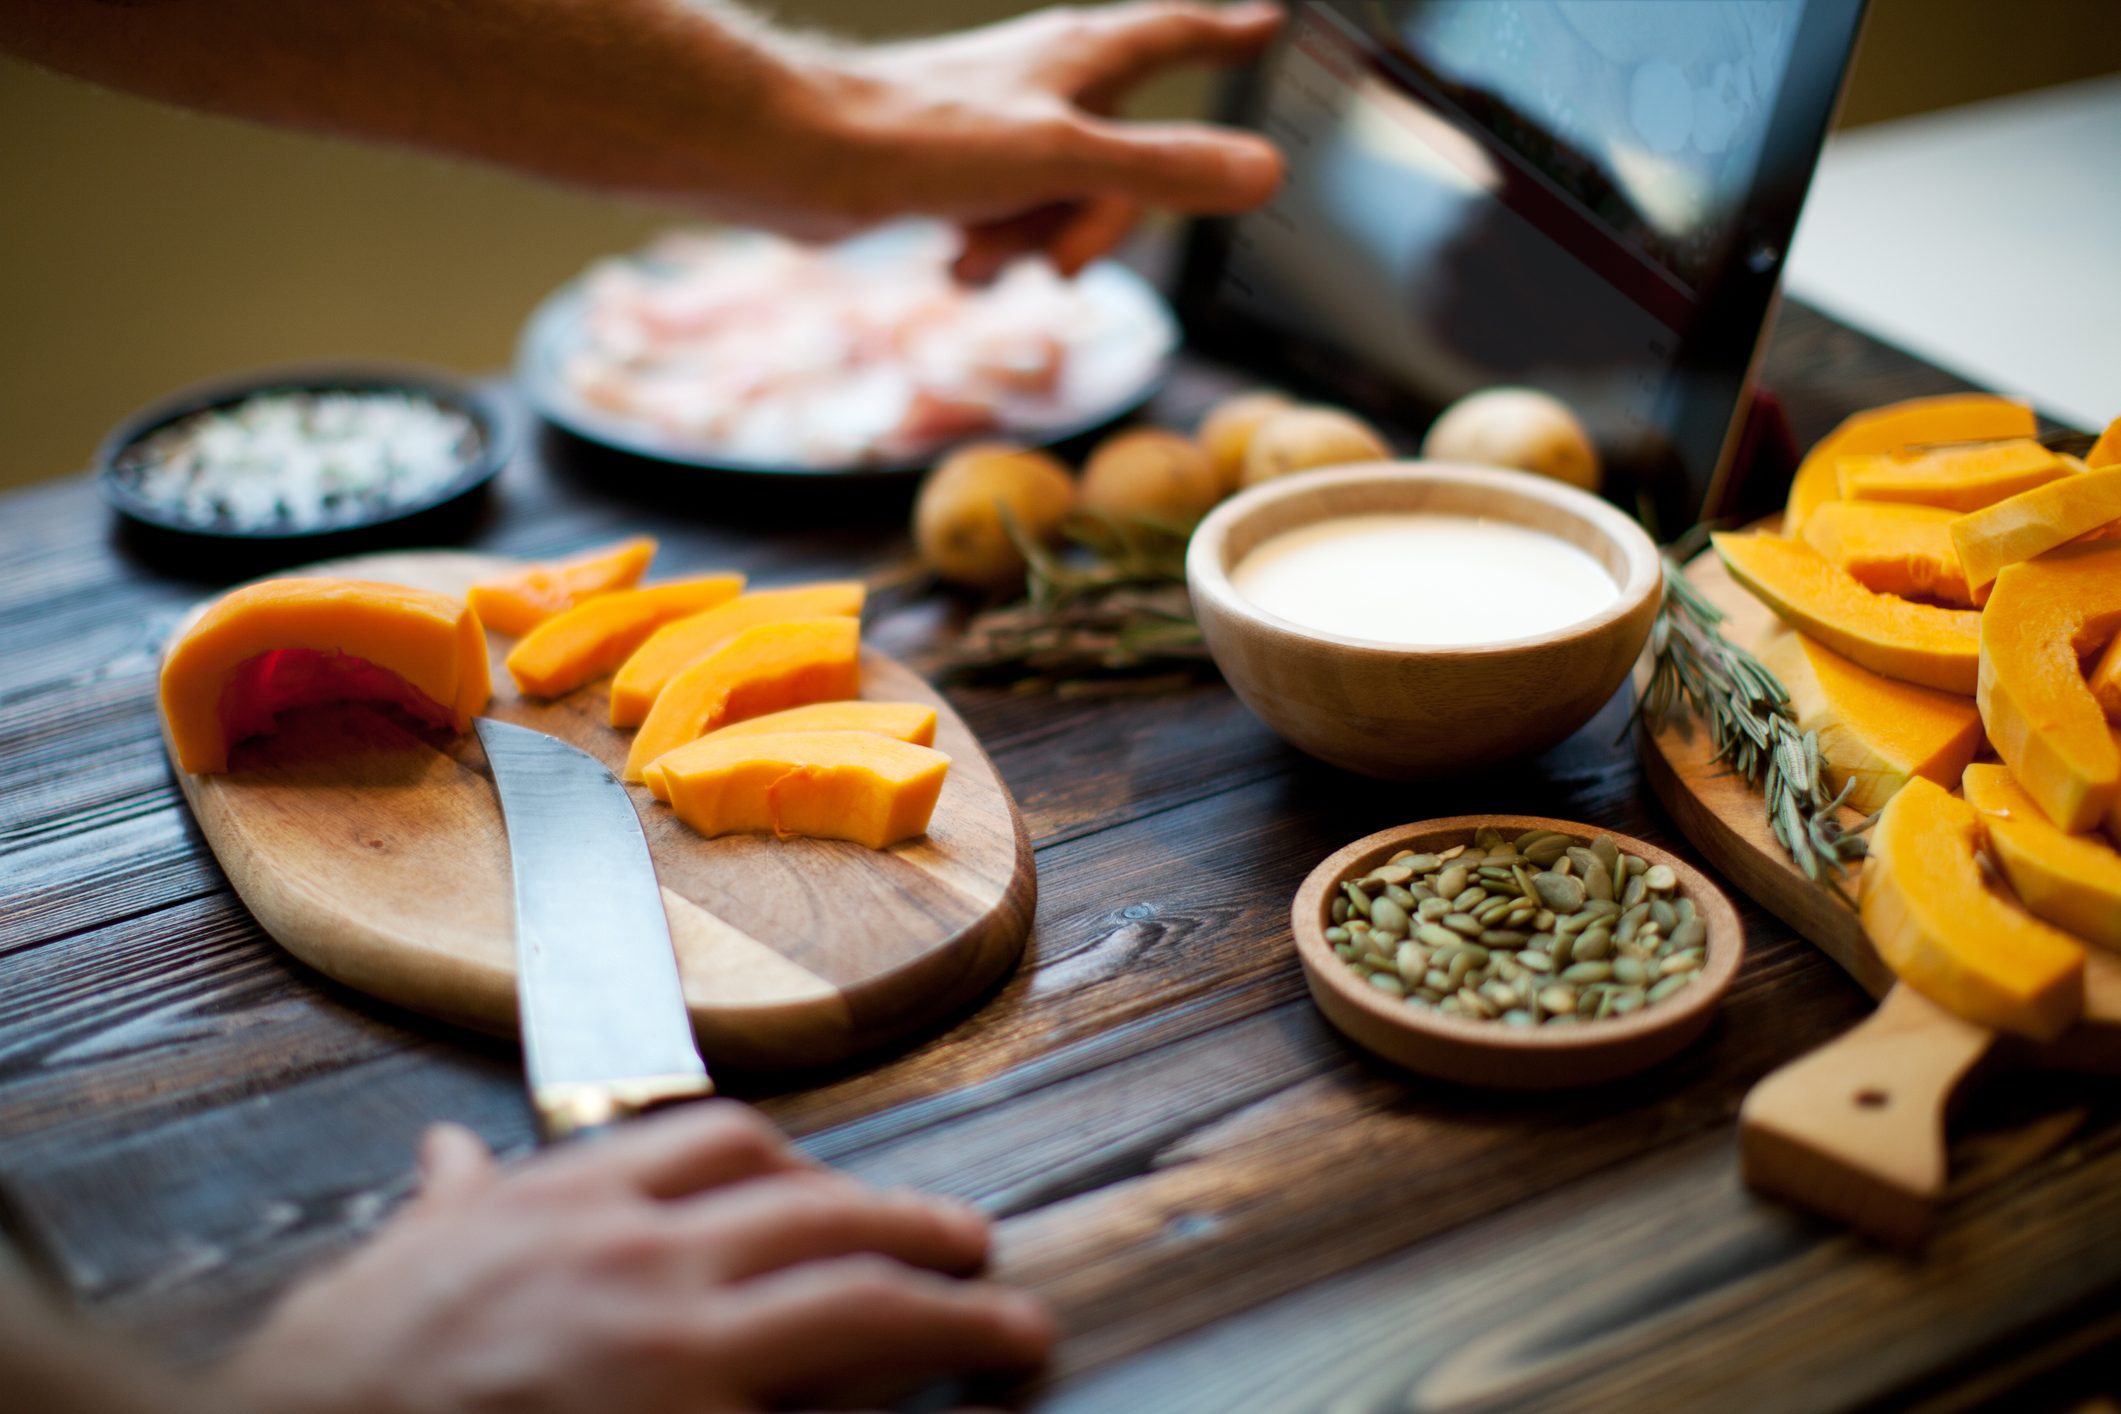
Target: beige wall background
<point x="143" y="248"/>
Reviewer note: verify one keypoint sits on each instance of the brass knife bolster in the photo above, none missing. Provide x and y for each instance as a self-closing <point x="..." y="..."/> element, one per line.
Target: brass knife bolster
<point x="570" y="1107"/>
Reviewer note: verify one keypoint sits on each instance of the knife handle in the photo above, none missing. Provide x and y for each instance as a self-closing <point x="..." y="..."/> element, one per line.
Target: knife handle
<point x="577" y="1109"/>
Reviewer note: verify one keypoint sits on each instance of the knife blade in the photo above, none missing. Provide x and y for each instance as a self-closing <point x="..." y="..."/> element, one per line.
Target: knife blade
<point x="605" y="1030"/>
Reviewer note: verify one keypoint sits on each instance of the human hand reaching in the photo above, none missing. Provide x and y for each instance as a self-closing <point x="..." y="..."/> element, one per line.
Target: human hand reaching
<point x="690" y="1261"/>
<point x="1008" y="129"/>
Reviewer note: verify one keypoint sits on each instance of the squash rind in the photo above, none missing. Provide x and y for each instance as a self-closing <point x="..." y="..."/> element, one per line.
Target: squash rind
<point x="1945" y="933"/>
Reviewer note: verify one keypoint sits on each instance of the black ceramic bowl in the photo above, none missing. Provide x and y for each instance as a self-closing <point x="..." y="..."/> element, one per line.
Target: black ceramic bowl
<point x="167" y="530"/>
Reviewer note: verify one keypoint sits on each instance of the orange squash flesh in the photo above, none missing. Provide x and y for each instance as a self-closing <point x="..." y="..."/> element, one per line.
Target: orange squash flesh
<point x="2107" y="450"/>
<point x="2034" y="522"/>
<point x="1892" y="549"/>
<point x="2044" y="616"/>
<point x="1874" y="733"/>
<point x="596" y="635"/>
<point x="516" y="603"/>
<point x="2073" y="881"/>
<point x="763" y="669"/>
<point x="2105" y="681"/>
<point x="858" y="786"/>
<point x="676" y="646"/>
<point x="1957" y="478"/>
<point x="1954" y="417"/>
<point x="1910" y="642"/>
<point x="901" y="721"/>
<point x="1947" y="934"/>
<point x="283" y="643"/>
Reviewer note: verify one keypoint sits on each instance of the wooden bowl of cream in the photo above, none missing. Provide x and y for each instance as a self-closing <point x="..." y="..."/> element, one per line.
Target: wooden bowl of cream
<point x="1415" y="619"/>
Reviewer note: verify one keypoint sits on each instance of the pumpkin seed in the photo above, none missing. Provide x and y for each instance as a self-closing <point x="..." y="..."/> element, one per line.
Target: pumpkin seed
<point x="1581" y="972"/>
<point x="1608" y="854"/>
<point x="1677" y="963"/>
<point x="1558" y="998"/>
<point x="1340" y="910"/>
<point x="1469" y="899"/>
<point x="1464" y="923"/>
<point x="1545" y="851"/>
<point x="1337" y="936"/>
<point x="1664" y="915"/>
<point x="1392" y="874"/>
<point x="1629" y="972"/>
<point x="1597" y="883"/>
<point x="1559" y="892"/>
<point x="1452" y="881"/>
<point x="1432" y="909"/>
<point x="1411" y="963"/>
<point x="1403" y="897"/>
<point x="1632" y="864"/>
<point x="1685" y="908"/>
<point x="1661" y="879"/>
<point x="1592" y="945"/>
<point x="1535" y="961"/>
<point x="1669" y="985"/>
<point x="1346" y="951"/>
<point x="1634" y="892"/>
<point x="1390" y="916"/>
<point x="1518" y="1017"/>
<point x="1473" y="1003"/>
<point x="1387" y="983"/>
<point x="1691" y="933"/>
<point x="1357" y="899"/>
<point x="1487" y="837"/>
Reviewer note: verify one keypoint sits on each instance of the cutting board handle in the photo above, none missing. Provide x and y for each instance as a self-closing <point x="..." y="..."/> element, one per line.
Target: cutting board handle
<point x="1855" y="1129"/>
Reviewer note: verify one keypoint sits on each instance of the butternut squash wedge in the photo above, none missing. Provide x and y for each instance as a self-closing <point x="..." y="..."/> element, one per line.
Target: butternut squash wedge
<point x="1874" y="733"/>
<point x="2034" y="522"/>
<point x="1947" y="934"/>
<point x="598" y="634"/>
<point x="2105" y="681"/>
<point x="764" y="668"/>
<point x="1893" y="549"/>
<point x="2044" y="616"/>
<point x="1954" y="417"/>
<point x="269" y="647"/>
<point x="516" y="603"/>
<point x="2107" y="450"/>
<point x="1898" y="638"/>
<point x="1958" y="478"/>
<point x="858" y="786"/>
<point x="2073" y="881"/>
<point x="901" y="721"/>
<point x="676" y="646"/>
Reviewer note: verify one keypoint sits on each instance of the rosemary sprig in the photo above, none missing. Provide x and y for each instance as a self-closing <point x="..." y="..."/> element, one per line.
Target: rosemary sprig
<point x="1108" y="614"/>
<point x="1747" y="711"/>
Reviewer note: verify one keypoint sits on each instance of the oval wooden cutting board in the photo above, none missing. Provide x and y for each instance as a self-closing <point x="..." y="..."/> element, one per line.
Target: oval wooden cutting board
<point x="379" y="858"/>
<point x="1721" y="815"/>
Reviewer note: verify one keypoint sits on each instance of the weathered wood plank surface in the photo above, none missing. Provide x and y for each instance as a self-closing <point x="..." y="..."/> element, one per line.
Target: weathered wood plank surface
<point x="1232" y="1209"/>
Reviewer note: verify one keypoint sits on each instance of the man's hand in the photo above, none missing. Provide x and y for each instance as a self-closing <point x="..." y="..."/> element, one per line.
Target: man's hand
<point x="690" y="1262"/>
<point x="1009" y="129"/>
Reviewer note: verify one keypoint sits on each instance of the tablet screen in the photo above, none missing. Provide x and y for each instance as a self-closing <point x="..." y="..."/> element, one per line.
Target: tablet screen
<point x="1580" y="195"/>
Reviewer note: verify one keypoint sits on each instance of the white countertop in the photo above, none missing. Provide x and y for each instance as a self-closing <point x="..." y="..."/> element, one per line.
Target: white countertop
<point x="1986" y="239"/>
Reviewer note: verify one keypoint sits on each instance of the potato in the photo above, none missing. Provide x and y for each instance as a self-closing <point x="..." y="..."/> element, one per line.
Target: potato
<point x="1300" y="438"/>
<point x="1227" y="431"/>
<point x="957" y="517"/>
<point x="1521" y="428"/>
<point x="1148" y="472"/>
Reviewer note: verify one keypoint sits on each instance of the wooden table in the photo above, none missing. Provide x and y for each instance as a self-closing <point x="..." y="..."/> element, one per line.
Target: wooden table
<point x="1231" y="1208"/>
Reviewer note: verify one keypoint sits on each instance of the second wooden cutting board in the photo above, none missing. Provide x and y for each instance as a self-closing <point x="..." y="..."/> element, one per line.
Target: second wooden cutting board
<point x="382" y="861"/>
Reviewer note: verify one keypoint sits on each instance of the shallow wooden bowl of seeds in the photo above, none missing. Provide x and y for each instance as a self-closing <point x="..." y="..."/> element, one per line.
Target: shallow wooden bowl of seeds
<point x="1626" y="1026"/>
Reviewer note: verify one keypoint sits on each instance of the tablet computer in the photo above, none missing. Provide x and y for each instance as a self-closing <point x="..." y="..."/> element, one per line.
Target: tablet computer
<point x="1593" y="197"/>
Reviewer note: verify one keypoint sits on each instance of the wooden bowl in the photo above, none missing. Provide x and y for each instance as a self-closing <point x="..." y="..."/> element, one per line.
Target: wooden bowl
<point x="1411" y="713"/>
<point x="1489" y="1053"/>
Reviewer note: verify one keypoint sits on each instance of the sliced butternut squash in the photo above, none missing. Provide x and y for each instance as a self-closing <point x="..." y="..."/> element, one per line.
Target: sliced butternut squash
<point x="2107" y="450"/>
<point x="1947" y="934"/>
<point x="901" y="721"/>
<point x="596" y="635"/>
<point x="2043" y="617"/>
<point x="1874" y="733"/>
<point x="1903" y="640"/>
<point x="2105" y="681"/>
<point x="1958" y="478"/>
<point x="1891" y="548"/>
<point x="676" y="646"/>
<point x="764" y="668"/>
<point x="269" y="647"/>
<point x="2034" y="522"/>
<point x="858" y="786"/>
<point x="1954" y="417"/>
<point x="518" y="602"/>
<point x="2073" y="881"/>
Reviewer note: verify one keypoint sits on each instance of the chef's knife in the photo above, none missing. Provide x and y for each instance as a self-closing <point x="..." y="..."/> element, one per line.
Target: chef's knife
<point x="605" y="1031"/>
